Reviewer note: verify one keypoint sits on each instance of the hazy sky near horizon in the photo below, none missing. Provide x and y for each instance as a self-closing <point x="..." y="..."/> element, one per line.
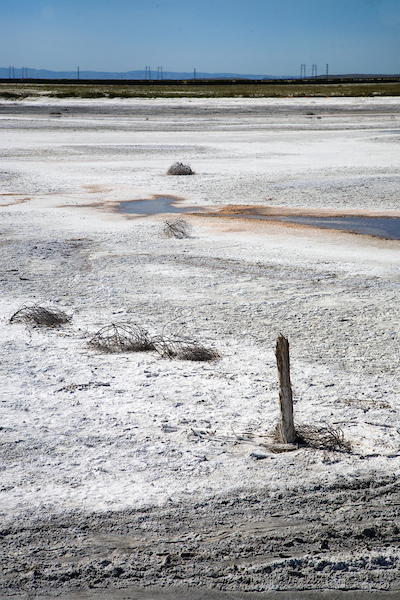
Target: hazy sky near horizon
<point x="269" y="37"/>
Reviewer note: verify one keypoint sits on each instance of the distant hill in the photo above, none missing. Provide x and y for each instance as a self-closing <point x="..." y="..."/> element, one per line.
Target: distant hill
<point x="356" y="76"/>
<point x="30" y="73"/>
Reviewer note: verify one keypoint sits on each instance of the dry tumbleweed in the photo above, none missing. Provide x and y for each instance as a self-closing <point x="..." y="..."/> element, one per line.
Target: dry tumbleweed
<point x="34" y="314"/>
<point x="183" y="348"/>
<point x="178" y="229"/>
<point x="179" y="168"/>
<point x="122" y="337"/>
<point x="128" y="337"/>
<point x="321" y="437"/>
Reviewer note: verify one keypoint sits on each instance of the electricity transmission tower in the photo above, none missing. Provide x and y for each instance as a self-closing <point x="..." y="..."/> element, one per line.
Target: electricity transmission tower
<point x="159" y="73"/>
<point x="194" y="73"/>
<point x="303" y="70"/>
<point x="314" y="71"/>
<point x="78" y="74"/>
<point x="327" y="69"/>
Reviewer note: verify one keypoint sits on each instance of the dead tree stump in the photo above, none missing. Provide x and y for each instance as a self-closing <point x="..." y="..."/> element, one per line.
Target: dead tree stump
<point x="286" y="426"/>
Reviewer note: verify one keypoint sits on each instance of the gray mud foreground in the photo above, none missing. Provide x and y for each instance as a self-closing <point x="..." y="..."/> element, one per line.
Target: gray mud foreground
<point x="323" y="542"/>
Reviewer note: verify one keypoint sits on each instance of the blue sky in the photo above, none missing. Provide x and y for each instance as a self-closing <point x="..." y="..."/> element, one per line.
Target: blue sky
<point x="271" y="37"/>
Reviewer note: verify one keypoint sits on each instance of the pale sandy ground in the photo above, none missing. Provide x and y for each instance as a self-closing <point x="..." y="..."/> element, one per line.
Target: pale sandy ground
<point x="89" y="432"/>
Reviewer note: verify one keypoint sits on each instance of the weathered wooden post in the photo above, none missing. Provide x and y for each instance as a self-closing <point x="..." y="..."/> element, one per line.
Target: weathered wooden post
<point x="286" y="426"/>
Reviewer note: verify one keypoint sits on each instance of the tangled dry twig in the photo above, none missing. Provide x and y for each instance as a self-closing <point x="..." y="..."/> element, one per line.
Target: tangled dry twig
<point x="179" y="168"/>
<point x="34" y="314"/>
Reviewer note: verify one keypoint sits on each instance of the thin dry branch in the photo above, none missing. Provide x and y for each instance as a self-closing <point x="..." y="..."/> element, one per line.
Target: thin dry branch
<point x="179" y="168"/>
<point x="122" y="337"/>
<point x="178" y="229"/>
<point x="34" y="314"/>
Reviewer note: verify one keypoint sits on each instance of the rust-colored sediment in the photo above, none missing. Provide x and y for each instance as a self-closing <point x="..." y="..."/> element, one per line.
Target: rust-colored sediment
<point x="241" y="210"/>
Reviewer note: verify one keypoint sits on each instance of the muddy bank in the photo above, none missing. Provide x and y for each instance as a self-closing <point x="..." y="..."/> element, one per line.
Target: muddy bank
<point x="345" y="537"/>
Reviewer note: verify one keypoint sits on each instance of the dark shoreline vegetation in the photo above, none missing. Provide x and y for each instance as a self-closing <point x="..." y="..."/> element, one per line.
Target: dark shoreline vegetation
<point x="20" y="90"/>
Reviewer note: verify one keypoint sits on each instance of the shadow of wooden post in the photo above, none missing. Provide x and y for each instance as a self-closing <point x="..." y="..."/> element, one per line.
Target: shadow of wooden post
<point x="286" y="425"/>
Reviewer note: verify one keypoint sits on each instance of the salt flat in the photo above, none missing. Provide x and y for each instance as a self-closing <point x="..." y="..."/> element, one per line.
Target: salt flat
<point x="84" y="432"/>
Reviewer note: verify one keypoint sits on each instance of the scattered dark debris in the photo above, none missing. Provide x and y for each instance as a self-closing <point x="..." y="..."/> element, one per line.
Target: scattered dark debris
<point x="83" y="386"/>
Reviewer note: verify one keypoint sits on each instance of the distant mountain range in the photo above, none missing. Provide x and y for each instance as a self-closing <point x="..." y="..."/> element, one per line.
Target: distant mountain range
<point x="30" y="73"/>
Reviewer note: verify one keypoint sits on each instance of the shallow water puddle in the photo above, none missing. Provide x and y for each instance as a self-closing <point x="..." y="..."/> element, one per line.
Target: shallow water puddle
<point x="384" y="227"/>
<point x="159" y="205"/>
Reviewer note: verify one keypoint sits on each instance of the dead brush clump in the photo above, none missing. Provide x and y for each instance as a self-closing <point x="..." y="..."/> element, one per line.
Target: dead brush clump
<point x="320" y="437"/>
<point x="179" y="228"/>
<point x="179" y="168"/>
<point x="34" y="314"/>
<point x="122" y="337"/>
<point x="130" y="337"/>
<point x="184" y="349"/>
